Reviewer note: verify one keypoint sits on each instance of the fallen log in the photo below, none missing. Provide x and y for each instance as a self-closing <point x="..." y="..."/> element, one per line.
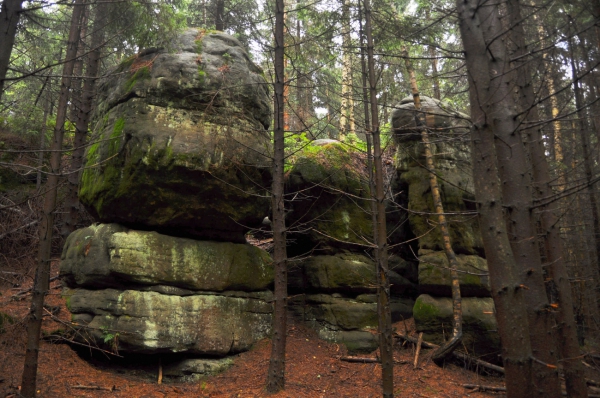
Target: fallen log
<point x="456" y="354"/>
<point x="366" y="360"/>
<point x="80" y="387"/>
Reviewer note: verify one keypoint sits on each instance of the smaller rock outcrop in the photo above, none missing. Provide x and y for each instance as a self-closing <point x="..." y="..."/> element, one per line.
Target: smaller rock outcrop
<point x="330" y="218"/>
<point x="433" y="317"/>
<point x="448" y="131"/>
<point x="331" y="210"/>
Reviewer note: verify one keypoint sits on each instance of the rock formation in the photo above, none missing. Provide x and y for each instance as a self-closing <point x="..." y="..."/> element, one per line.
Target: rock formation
<point x="330" y="220"/>
<point x="433" y="309"/>
<point x="176" y="175"/>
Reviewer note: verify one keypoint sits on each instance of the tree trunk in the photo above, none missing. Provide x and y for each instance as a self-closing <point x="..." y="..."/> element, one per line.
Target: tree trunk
<point x="567" y="333"/>
<point x="276" y="373"/>
<point x="83" y="120"/>
<point x="507" y="290"/>
<point x="446" y="349"/>
<point x="517" y="200"/>
<point x="9" y="20"/>
<point x="586" y="147"/>
<point x="220" y="15"/>
<point x="43" y="131"/>
<point x="435" y="80"/>
<point x="383" y="284"/>
<point x="42" y="275"/>
<point x="347" y="105"/>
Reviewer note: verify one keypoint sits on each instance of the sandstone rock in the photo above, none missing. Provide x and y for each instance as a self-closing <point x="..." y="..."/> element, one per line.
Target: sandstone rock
<point x="192" y="369"/>
<point x="330" y="207"/>
<point x="111" y="255"/>
<point x="448" y="132"/>
<point x="343" y="272"/>
<point x="180" y="141"/>
<point x="346" y="320"/>
<point x="150" y="322"/>
<point x="434" y="275"/>
<point x="448" y="126"/>
<point x="433" y="317"/>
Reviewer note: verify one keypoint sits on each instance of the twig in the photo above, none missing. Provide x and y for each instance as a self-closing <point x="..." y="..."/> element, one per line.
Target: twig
<point x="366" y="360"/>
<point x="482" y="388"/>
<point x="31" y="288"/>
<point x="80" y="387"/>
<point x="419" y="342"/>
<point x="360" y="359"/>
<point x="160" y="374"/>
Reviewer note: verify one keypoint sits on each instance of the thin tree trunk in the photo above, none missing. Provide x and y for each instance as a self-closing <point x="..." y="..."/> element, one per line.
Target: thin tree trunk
<point x="43" y="131"/>
<point x="507" y="290"/>
<point x="435" y="81"/>
<point x="42" y="275"/>
<point x="567" y="333"/>
<point x="219" y="15"/>
<point x="83" y="120"/>
<point x="9" y="20"/>
<point x="446" y="349"/>
<point x="347" y="106"/>
<point x="77" y="82"/>
<point x="276" y="373"/>
<point x="383" y="284"/>
<point x="586" y="147"/>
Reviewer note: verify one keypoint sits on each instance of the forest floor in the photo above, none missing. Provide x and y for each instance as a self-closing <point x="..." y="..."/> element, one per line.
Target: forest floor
<point x="313" y="366"/>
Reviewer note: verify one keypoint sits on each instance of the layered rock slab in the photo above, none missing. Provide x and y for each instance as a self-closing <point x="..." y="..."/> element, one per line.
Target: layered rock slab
<point x="105" y="255"/>
<point x="150" y="322"/>
<point x="433" y="317"/>
<point x="345" y="272"/>
<point x="348" y="320"/>
<point x="435" y="278"/>
<point x="180" y="143"/>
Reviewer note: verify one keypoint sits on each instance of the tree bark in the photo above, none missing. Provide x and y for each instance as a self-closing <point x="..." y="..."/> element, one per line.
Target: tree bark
<point x="42" y="275"/>
<point x="586" y="148"/>
<point x="347" y="106"/>
<point x="383" y="284"/>
<point x="9" y="20"/>
<point x="82" y="121"/>
<point x="507" y="290"/>
<point x="567" y="332"/>
<point x="517" y="200"/>
<point x="220" y="15"/>
<point x="276" y="373"/>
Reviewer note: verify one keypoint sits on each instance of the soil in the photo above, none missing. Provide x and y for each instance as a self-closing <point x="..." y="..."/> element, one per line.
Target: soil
<point x="313" y="367"/>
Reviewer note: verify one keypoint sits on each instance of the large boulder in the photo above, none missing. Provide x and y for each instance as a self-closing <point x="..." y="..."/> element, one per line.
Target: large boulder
<point x="433" y="317"/>
<point x="448" y="132"/>
<point x="110" y="255"/>
<point x="179" y="142"/>
<point x="151" y="322"/>
<point x="330" y="210"/>
<point x="344" y="273"/>
<point x="435" y="279"/>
